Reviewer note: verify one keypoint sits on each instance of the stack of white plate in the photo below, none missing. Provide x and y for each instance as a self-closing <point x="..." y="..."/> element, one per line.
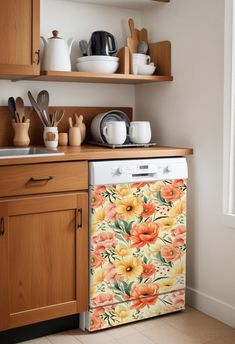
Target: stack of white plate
<point x="97" y="64"/>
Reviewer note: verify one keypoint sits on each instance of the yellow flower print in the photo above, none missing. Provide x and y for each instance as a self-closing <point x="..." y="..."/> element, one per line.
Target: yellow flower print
<point x="153" y="311"/>
<point x="129" y="268"/>
<point x="123" y="250"/>
<point x="151" y="252"/>
<point x="177" y="270"/>
<point x="129" y="208"/>
<point x="93" y="229"/>
<point x="123" y="312"/>
<point x="153" y="189"/>
<point x="98" y="277"/>
<point x="98" y="216"/>
<point x="178" y="209"/>
<point x="123" y="190"/>
<point x="165" y="224"/>
<point x="166" y="285"/>
<point x="92" y="291"/>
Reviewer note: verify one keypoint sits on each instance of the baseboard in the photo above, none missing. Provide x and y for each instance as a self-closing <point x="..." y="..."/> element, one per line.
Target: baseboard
<point x="211" y="306"/>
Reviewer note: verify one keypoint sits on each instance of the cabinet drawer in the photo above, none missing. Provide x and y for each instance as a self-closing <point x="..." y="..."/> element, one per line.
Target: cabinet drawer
<point x="43" y="178"/>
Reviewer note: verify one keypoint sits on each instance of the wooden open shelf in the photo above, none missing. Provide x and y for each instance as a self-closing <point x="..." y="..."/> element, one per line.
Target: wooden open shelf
<point x="100" y="78"/>
<point x="159" y="52"/>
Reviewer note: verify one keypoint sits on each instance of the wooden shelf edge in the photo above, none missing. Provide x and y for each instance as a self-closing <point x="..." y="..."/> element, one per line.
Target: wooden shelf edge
<point x="99" y="78"/>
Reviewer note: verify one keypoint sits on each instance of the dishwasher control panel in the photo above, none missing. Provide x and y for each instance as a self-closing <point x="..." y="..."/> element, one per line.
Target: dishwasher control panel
<point x="128" y="171"/>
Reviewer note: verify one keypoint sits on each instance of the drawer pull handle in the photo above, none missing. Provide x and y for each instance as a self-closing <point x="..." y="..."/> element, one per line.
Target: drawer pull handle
<point x="79" y="212"/>
<point x="2" y="226"/>
<point x="38" y="180"/>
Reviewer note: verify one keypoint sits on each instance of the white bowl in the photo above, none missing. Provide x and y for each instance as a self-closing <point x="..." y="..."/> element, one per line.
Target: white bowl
<point x="146" y="69"/>
<point x="97" y="58"/>
<point x="106" y="67"/>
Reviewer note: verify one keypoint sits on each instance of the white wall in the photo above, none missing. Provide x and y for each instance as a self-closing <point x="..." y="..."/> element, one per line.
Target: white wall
<point x="77" y="20"/>
<point x="189" y="112"/>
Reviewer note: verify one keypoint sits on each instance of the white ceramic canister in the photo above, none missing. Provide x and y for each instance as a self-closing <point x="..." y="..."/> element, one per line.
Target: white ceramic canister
<point x="50" y="136"/>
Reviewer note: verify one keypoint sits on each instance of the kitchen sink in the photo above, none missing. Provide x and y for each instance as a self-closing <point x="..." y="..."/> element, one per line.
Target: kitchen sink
<point x="29" y="152"/>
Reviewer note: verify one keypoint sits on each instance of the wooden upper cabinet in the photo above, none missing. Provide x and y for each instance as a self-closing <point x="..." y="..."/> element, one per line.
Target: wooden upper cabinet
<point x="19" y="38"/>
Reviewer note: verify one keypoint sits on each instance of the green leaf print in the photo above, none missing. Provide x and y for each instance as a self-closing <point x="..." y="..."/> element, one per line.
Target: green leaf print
<point x="161" y="199"/>
<point x="127" y="287"/>
<point x="128" y="226"/>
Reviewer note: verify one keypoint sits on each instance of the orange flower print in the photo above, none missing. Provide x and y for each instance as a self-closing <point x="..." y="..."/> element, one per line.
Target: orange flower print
<point x="178" y="298"/>
<point x="171" y="193"/>
<point x="104" y="241"/>
<point x="178" y="183"/>
<point x="145" y="295"/>
<point x="100" y="189"/>
<point x="96" y="260"/>
<point x="111" y="212"/>
<point x="148" y="270"/>
<point x="178" y="241"/>
<point x="96" y="200"/>
<point x="144" y="233"/>
<point x="96" y="322"/>
<point x="179" y="234"/>
<point x="180" y="230"/>
<point x="138" y="185"/>
<point x="170" y="253"/>
<point x="103" y="299"/>
<point x="110" y="273"/>
<point x="148" y="210"/>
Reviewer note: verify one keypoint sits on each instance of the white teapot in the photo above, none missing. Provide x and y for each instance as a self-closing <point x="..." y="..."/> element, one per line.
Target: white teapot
<point x="56" y="54"/>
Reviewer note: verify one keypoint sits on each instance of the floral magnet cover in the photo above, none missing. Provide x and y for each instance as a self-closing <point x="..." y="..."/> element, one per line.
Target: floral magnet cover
<point x="137" y="241"/>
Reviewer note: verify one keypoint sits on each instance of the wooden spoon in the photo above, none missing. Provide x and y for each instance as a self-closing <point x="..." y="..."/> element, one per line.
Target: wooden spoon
<point x="20" y="108"/>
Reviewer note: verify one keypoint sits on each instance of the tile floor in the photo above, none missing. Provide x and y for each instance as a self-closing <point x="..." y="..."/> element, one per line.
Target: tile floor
<point x="188" y="327"/>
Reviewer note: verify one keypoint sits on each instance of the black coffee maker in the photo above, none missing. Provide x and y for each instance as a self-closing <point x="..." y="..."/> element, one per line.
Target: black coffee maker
<point x="102" y="43"/>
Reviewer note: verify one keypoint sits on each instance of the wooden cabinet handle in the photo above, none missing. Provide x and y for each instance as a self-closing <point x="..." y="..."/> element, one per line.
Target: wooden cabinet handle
<point x="2" y="226"/>
<point x="79" y="222"/>
<point x="37" y="57"/>
<point x="39" y="180"/>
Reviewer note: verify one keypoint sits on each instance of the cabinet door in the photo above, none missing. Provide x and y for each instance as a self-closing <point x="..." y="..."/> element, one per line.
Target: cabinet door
<point x="19" y="38"/>
<point x="43" y="258"/>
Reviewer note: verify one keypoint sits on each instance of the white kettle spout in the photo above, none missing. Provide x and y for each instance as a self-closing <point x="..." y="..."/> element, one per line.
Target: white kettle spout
<point x="44" y="41"/>
<point x="70" y="43"/>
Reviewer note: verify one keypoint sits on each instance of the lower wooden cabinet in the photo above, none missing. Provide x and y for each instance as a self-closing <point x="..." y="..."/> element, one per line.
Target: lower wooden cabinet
<point x="43" y="258"/>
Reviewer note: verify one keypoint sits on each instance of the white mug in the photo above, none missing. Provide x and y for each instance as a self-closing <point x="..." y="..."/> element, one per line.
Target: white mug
<point x="115" y="132"/>
<point x="139" y="60"/>
<point x="140" y="132"/>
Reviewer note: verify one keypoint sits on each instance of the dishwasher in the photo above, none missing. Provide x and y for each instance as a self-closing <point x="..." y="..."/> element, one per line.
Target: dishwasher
<point x="137" y="240"/>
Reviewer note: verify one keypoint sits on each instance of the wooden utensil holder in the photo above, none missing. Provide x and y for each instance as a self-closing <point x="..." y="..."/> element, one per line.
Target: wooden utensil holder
<point x="160" y="53"/>
<point x="21" y="134"/>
